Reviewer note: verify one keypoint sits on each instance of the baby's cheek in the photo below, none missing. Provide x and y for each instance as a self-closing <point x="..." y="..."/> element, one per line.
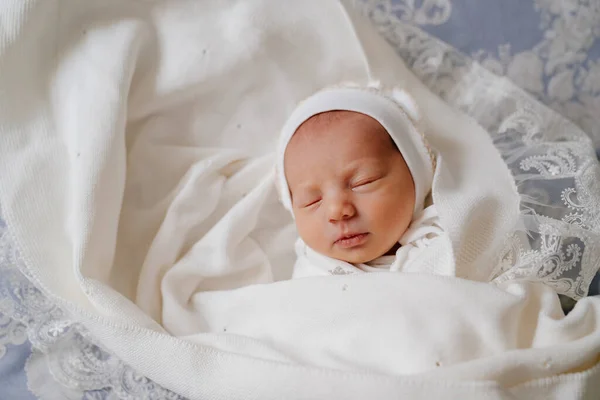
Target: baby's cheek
<point x="395" y="212"/>
<point x="310" y="231"/>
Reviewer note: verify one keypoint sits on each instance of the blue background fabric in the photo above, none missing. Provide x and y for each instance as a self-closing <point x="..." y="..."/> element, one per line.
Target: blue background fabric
<point x="551" y="48"/>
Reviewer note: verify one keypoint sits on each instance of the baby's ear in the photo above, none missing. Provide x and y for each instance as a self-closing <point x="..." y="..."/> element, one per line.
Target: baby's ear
<point x="407" y="103"/>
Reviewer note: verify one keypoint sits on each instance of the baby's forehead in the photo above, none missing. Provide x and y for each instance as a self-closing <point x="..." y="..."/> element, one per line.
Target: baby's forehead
<point x="335" y="126"/>
<point x="324" y="120"/>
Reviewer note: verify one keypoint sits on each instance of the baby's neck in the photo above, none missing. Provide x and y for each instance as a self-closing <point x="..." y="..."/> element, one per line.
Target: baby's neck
<point x="393" y="250"/>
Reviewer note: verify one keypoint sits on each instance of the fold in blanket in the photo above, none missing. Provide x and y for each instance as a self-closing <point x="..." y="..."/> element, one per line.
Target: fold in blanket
<point x="136" y="175"/>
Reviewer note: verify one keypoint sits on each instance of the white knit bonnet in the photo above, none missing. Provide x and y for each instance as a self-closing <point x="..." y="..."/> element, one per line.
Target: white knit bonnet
<point x="394" y="109"/>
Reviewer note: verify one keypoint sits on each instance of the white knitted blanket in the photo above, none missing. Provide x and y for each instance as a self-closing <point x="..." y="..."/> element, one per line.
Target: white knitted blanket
<point x="136" y="175"/>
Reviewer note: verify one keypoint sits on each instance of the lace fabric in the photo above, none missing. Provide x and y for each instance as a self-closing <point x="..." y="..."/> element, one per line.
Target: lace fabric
<point x="558" y="70"/>
<point x="65" y="363"/>
<point x="558" y="65"/>
<point x="552" y="161"/>
<point x="12" y="332"/>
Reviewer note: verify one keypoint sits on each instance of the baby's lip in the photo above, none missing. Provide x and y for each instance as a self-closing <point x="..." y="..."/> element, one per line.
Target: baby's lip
<point x="351" y="239"/>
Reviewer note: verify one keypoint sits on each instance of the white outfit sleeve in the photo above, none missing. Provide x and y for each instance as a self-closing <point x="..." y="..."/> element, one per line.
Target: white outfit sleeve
<point x="423" y="231"/>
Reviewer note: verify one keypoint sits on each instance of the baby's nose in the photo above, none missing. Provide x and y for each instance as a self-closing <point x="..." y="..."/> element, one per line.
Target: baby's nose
<point x="341" y="209"/>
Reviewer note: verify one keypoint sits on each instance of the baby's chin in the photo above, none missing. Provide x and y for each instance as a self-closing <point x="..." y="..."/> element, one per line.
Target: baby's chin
<point x="361" y="254"/>
<point x="357" y="256"/>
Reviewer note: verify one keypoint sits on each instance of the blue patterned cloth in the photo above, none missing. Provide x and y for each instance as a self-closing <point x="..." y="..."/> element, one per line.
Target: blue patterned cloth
<point x="13" y="383"/>
<point x="549" y="47"/>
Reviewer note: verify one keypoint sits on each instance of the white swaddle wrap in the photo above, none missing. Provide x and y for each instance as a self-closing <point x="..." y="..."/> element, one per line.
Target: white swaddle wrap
<point x="137" y="140"/>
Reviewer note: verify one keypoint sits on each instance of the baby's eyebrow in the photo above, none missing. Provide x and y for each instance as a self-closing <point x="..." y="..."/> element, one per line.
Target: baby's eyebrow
<point x="358" y="164"/>
<point x="306" y="188"/>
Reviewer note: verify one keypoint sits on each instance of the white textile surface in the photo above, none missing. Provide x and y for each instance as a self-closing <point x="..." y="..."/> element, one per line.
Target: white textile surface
<point x="136" y="176"/>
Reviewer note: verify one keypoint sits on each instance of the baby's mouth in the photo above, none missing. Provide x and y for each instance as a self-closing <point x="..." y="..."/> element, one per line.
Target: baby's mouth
<point x="349" y="241"/>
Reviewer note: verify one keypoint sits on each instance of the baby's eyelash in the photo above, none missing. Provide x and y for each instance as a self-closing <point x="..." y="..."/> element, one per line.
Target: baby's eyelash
<point x="312" y="203"/>
<point x="364" y="182"/>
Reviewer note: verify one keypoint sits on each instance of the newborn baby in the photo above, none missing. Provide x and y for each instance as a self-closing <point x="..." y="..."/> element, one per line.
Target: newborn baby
<point x="356" y="174"/>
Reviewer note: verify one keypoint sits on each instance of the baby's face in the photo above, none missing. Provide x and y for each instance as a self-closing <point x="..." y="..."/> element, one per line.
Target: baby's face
<point x="352" y="193"/>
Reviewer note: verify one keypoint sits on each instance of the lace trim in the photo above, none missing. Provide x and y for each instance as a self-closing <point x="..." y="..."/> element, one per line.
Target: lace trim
<point x="65" y="362"/>
<point x="11" y="332"/>
<point x="552" y="161"/>
<point x="558" y="70"/>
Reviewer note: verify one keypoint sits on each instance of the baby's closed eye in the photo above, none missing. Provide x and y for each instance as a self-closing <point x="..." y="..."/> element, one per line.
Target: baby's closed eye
<point x="306" y="196"/>
<point x="306" y="199"/>
<point x="365" y="182"/>
<point x="310" y="203"/>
